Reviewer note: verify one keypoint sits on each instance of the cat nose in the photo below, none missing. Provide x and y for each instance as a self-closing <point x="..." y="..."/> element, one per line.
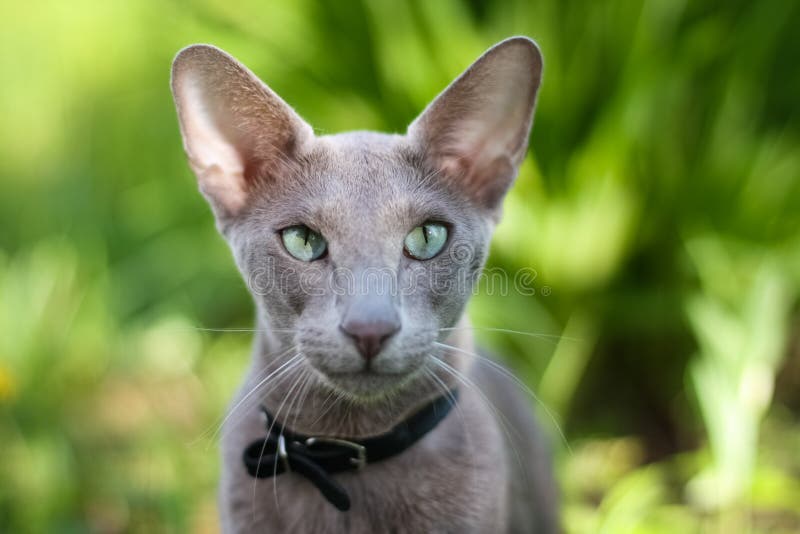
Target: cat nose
<point x="370" y="335"/>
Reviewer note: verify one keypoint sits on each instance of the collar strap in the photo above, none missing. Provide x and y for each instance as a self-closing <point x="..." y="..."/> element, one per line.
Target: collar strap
<point x="316" y="458"/>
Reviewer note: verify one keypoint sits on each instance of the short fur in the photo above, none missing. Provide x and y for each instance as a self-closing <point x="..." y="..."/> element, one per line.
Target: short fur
<point x="262" y="170"/>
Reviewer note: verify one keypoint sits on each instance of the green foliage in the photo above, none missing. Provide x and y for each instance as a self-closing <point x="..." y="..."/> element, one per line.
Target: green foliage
<point x="740" y="320"/>
<point x="658" y="207"/>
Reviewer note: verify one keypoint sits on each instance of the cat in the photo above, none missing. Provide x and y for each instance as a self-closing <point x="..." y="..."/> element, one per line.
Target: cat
<point x="405" y="221"/>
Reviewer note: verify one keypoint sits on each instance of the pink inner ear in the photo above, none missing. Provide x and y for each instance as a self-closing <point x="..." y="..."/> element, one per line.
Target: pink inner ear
<point x="455" y="166"/>
<point x="486" y="181"/>
<point x="476" y="131"/>
<point x="215" y="160"/>
<point x="235" y="129"/>
<point x="220" y="190"/>
<point x="480" y="154"/>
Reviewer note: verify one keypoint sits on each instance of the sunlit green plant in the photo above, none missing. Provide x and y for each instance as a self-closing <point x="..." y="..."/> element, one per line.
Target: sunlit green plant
<point x="740" y="318"/>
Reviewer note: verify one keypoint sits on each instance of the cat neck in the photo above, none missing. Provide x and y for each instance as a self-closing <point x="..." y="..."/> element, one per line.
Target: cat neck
<point x="304" y="402"/>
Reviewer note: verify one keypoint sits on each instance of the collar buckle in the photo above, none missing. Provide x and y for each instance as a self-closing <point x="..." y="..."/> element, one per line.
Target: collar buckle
<point x="359" y="461"/>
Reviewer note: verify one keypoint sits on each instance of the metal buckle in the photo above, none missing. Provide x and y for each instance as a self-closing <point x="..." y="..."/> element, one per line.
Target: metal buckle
<point x="282" y="454"/>
<point x="361" y="452"/>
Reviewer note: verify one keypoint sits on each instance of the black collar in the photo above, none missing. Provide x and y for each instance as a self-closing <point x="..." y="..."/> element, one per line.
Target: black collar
<point x="316" y="458"/>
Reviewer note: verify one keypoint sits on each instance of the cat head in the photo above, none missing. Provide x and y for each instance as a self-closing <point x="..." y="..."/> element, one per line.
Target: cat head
<point x="361" y="249"/>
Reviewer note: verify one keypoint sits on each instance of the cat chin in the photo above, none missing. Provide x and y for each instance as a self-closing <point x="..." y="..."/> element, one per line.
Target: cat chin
<point x="368" y="386"/>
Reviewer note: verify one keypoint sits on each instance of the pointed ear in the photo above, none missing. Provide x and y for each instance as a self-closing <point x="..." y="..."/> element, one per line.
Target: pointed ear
<point x="236" y="131"/>
<point x="475" y="133"/>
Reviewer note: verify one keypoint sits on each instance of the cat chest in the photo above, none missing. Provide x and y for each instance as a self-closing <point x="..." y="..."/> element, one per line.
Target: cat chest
<point x="456" y="495"/>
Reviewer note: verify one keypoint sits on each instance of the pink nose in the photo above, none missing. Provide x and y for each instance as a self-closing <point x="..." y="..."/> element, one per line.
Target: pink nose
<point x="370" y="336"/>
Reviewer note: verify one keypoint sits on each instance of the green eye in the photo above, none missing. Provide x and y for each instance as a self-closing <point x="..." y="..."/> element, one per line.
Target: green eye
<point x="303" y="243"/>
<point x="426" y="241"/>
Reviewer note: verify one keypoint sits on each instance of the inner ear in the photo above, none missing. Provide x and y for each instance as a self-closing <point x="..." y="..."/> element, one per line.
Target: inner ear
<point x="236" y="130"/>
<point x="475" y="133"/>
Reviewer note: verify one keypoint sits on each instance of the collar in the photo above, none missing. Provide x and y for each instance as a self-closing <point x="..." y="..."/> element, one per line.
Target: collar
<point x="317" y="457"/>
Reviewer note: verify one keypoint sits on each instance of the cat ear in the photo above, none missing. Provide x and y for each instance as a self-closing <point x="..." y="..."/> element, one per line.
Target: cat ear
<point x="475" y="133"/>
<point x="236" y="131"/>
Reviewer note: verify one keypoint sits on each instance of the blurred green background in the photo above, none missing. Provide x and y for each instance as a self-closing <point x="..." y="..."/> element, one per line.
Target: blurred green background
<point x="659" y="205"/>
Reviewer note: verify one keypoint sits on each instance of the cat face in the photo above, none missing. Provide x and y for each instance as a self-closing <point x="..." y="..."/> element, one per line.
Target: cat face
<point x="360" y="249"/>
<point x="363" y="194"/>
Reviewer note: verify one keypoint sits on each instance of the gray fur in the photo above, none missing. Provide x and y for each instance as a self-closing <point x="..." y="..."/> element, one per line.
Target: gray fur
<point x="262" y="169"/>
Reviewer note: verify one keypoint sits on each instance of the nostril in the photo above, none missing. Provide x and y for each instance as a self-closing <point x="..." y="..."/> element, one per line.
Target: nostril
<point x="370" y="336"/>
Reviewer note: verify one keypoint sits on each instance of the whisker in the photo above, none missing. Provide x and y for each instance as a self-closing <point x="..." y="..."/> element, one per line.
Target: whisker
<point x="269" y="431"/>
<point x="334" y="397"/>
<point x="304" y="391"/>
<point x="276" y="381"/>
<point x="292" y="362"/>
<point x="247" y="330"/>
<point x="218" y="426"/>
<point x="508" y="374"/>
<point x="501" y="419"/>
<point x="451" y="399"/>
<point x="305" y="380"/>
<point x="510" y="331"/>
<point x="439" y="384"/>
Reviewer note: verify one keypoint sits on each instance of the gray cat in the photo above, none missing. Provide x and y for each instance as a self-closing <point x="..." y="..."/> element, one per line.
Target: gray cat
<point x="361" y="250"/>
